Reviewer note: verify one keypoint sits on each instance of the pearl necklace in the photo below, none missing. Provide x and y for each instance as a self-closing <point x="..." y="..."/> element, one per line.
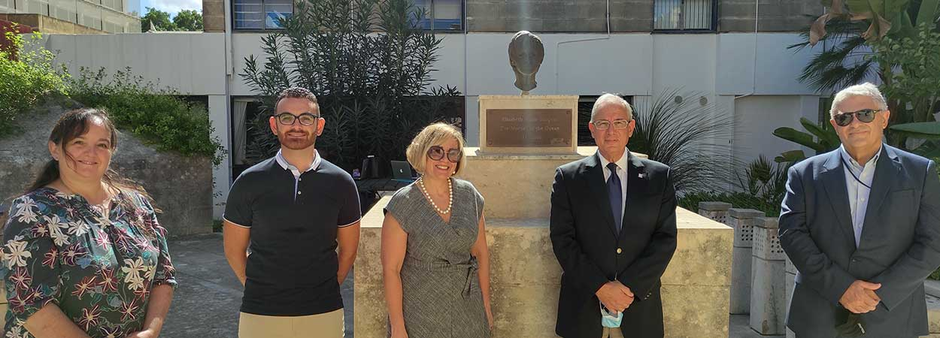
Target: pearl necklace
<point x="450" y="202"/>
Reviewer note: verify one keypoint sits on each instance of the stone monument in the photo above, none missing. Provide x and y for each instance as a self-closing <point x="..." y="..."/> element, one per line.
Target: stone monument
<point x="526" y="53"/>
<point x="528" y="124"/>
<point x="523" y="138"/>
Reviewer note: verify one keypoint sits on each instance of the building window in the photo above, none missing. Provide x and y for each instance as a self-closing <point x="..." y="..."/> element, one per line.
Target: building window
<point x="441" y="15"/>
<point x="687" y="15"/>
<point x="261" y="14"/>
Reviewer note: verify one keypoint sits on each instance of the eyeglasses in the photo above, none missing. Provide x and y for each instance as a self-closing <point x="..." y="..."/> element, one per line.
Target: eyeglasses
<point x="437" y="153"/>
<point x="306" y="119"/>
<point x="864" y="115"/>
<point x="604" y="124"/>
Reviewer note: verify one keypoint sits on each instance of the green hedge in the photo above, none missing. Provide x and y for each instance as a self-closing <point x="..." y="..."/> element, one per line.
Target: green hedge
<point x="738" y="200"/>
<point x="157" y="116"/>
<point x="27" y="73"/>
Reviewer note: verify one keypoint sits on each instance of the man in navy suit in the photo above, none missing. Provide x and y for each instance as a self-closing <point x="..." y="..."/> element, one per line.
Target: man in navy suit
<point x="862" y="226"/>
<point x="613" y="230"/>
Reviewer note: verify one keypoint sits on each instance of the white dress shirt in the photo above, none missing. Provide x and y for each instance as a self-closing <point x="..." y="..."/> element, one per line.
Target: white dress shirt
<point x="858" y="193"/>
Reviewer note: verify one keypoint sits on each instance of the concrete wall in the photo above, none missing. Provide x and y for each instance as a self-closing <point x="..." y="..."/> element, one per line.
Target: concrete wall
<point x="192" y="63"/>
<point x="547" y="16"/>
<point x="756" y="117"/>
<point x="775" y="15"/>
<point x="179" y="185"/>
<point x="49" y="25"/>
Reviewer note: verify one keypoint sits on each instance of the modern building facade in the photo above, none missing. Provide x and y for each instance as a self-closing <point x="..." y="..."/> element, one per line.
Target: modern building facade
<point x="731" y="53"/>
<point x="74" y="16"/>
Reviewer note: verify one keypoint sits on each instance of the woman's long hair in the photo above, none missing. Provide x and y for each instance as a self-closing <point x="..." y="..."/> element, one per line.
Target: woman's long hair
<point x="70" y="126"/>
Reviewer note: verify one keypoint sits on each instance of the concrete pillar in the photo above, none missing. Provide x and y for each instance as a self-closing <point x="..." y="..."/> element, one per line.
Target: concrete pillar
<point x="222" y="173"/>
<point x="213" y="16"/>
<point x="716" y="211"/>
<point x="791" y="277"/>
<point x="768" y="303"/>
<point x="742" y="220"/>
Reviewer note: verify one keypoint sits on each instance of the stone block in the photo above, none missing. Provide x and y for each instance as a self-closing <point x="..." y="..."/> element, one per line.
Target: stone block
<point x="741" y="281"/>
<point x="516" y="186"/>
<point x="476" y="24"/>
<point x="509" y="239"/>
<point x="685" y="315"/>
<point x="933" y="315"/>
<point x="742" y="220"/>
<point x="716" y="211"/>
<point x="768" y="293"/>
<point x="737" y="10"/>
<point x="701" y="243"/>
<point x="213" y="24"/>
<point x="766" y="244"/>
<point x="525" y="277"/>
<point x="791" y="280"/>
<point x="734" y="25"/>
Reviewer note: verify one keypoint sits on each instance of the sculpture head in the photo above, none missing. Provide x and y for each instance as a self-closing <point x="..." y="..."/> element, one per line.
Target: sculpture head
<point x="525" y="57"/>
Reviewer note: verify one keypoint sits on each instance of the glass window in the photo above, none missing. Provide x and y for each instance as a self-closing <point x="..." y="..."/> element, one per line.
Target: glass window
<point x="683" y="14"/>
<point x="275" y="11"/>
<point x="248" y="14"/>
<point x="448" y="14"/>
<point x="444" y="15"/>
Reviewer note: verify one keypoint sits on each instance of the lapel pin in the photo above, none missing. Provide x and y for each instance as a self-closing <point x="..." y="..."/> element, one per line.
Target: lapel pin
<point x="642" y="175"/>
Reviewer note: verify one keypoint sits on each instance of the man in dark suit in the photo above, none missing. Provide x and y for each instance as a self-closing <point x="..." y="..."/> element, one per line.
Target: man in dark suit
<point x="862" y="226"/>
<point x="613" y="230"/>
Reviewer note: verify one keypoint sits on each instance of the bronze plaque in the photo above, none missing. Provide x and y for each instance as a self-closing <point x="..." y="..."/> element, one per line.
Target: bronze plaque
<point x="528" y="127"/>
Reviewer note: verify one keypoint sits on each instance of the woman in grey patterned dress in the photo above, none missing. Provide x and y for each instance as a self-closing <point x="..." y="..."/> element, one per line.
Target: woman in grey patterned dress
<point x="434" y="255"/>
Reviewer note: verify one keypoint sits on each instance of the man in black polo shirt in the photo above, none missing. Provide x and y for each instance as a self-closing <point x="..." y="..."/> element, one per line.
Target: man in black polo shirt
<point x="295" y="209"/>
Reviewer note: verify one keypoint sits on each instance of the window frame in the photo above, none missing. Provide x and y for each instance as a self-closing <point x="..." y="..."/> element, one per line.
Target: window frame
<point x="430" y="19"/>
<point x="713" y="25"/>
<point x="263" y="28"/>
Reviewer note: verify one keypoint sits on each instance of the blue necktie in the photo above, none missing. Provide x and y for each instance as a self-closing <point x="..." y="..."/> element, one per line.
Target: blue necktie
<point x="615" y="192"/>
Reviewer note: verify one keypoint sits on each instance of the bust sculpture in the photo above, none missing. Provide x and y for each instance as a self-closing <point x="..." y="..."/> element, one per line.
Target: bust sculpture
<point x="525" y="57"/>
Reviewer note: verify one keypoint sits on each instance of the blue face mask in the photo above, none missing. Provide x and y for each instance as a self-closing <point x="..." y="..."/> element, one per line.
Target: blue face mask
<point x="610" y="320"/>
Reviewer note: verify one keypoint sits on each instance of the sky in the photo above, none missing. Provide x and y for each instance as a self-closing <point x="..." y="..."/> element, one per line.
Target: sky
<point x="170" y="6"/>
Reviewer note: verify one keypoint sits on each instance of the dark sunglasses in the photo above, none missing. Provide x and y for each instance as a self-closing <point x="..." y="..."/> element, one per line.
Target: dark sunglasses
<point x="288" y="119"/>
<point x="864" y="115"/>
<point x="437" y="153"/>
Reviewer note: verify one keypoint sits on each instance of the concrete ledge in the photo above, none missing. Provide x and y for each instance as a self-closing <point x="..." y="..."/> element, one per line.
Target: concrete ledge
<point x="525" y="277"/>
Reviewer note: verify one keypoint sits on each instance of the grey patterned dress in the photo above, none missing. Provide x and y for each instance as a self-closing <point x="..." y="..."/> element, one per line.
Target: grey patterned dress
<point x="441" y="295"/>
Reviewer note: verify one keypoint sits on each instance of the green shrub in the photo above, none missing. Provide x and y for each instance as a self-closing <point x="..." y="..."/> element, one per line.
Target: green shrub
<point x="737" y="199"/>
<point x="27" y="73"/>
<point x="157" y="116"/>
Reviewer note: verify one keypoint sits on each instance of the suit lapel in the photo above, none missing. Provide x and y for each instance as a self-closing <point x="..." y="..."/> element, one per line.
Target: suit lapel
<point x="833" y="178"/>
<point x="886" y="170"/>
<point x="637" y="181"/>
<point x="594" y="174"/>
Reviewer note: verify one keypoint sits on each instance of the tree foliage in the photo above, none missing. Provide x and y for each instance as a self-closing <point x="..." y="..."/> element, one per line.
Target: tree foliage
<point x="27" y="73"/>
<point x="188" y="20"/>
<point x="370" y="67"/>
<point x="156" y="19"/>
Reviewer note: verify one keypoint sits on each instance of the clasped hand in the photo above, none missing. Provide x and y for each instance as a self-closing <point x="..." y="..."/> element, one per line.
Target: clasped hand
<point x="616" y="297"/>
<point x="860" y="297"/>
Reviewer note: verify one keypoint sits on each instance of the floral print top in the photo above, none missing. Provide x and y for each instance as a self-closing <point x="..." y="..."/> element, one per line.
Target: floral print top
<point x="98" y="270"/>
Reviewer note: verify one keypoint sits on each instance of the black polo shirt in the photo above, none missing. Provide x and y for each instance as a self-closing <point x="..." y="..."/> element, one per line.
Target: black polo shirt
<point x="293" y="217"/>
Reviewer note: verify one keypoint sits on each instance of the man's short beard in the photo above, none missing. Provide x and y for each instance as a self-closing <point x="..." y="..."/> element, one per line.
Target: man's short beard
<point x="311" y="138"/>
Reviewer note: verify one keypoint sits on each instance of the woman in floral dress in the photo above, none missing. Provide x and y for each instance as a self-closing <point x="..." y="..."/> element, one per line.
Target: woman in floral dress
<point x="84" y="255"/>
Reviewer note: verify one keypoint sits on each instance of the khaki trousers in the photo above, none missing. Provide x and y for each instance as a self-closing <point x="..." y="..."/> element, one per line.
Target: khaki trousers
<point x="325" y="325"/>
<point x="611" y="332"/>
